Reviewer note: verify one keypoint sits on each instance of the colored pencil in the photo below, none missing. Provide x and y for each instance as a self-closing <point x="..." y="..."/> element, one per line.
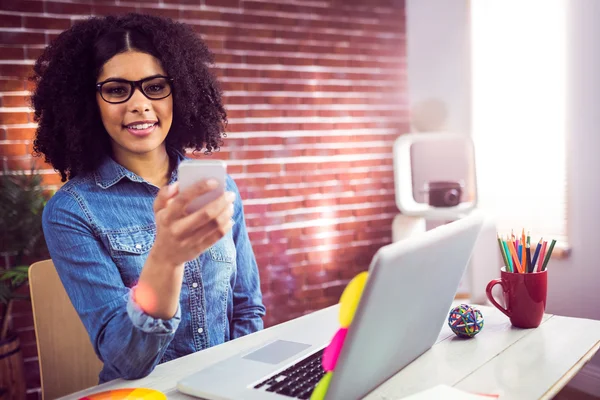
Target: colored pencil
<point x="542" y="254"/>
<point x="529" y="266"/>
<point x="547" y="258"/>
<point x="513" y="252"/>
<point x="536" y="254"/>
<point x="507" y="252"/>
<point x="504" y="258"/>
<point x="522" y="251"/>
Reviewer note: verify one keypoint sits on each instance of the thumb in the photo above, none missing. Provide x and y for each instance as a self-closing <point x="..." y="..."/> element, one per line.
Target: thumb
<point x="164" y="195"/>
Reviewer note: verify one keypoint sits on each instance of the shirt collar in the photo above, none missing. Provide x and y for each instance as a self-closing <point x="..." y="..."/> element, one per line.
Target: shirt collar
<point x="110" y="172"/>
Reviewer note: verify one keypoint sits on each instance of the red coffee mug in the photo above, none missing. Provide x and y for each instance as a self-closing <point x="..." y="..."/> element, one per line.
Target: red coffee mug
<point x="524" y="296"/>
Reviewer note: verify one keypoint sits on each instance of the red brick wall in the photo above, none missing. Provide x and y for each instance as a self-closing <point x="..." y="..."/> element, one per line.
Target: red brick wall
<point x="315" y="97"/>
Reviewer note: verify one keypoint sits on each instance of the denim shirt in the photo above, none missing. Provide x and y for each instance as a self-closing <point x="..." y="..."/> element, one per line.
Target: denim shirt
<point x="99" y="228"/>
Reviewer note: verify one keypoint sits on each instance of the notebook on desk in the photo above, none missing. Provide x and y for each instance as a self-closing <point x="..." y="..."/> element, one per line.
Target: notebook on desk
<point x="403" y="307"/>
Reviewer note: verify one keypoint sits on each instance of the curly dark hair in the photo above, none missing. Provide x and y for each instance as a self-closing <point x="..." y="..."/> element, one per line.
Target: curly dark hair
<point x="70" y="133"/>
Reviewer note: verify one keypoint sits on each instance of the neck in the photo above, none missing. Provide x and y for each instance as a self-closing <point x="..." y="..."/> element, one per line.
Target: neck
<point x="154" y="167"/>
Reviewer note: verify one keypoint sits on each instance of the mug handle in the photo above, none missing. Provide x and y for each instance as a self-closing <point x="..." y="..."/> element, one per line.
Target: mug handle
<point x="488" y="292"/>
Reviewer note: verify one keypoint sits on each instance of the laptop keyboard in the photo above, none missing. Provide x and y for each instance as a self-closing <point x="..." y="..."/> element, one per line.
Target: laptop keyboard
<point x="297" y="381"/>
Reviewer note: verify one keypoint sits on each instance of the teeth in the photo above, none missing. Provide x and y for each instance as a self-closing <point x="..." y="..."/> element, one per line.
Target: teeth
<point x="141" y="126"/>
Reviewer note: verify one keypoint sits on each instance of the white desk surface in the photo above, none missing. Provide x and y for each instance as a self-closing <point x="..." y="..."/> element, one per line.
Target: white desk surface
<point x="513" y="363"/>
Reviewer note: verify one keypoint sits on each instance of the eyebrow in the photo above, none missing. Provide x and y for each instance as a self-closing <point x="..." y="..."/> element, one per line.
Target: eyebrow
<point x="116" y="78"/>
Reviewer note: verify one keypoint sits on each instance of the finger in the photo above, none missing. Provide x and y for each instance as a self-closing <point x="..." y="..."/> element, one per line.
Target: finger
<point x="209" y="235"/>
<point x="208" y="217"/>
<point x="164" y="195"/>
<point x="177" y="207"/>
<point x="218" y="234"/>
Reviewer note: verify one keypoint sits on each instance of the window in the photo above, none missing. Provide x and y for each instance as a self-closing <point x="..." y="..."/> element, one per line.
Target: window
<point x="518" y="117"/>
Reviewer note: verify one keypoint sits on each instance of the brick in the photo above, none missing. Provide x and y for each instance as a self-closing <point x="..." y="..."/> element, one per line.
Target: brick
<point x="11" y="53"/>
<point x="46" y="23"/>
<point x="228" y="58"/>
<point x="301" y="113"/>
<point x="14" y="70"/>
<point x="22" y="5"/>
<point x="299" y="167"/>
<point x="51" y="179"/>
<point x="54" y="7"/>
<point x="32" y="373"/>
<point x="191" y="2"/>
<point x="224" y="3"/>
<point x="283" y="100"/>
<point x="264" y="60"/>
<point x="34" y="395"/>
<point x="33" y="53"/>
<point x="15" y="101"/>
<point x="263" y="168"/>
<point x="257" y="236"/>
<point x="11" y="85"/>
<point x="9" y="150"/>
<point x="21" y="321"/>
<point x="29" y="350"/>
<point x="112" y="10"/>
<point x="10" y="21"/>
<point x="14" y="38"/>
<point x="320" y="277"/>
<point x="20" y="133"/>
<point x="161" y="12"/>
<point x="26" y="162"/>
<point x="27" y="335"/>
<point x="13" y="118"/>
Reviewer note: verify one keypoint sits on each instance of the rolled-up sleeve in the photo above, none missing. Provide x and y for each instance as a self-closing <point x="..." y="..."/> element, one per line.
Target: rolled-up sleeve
<point x="248" y="308"/>
<point x="123" y="336"/>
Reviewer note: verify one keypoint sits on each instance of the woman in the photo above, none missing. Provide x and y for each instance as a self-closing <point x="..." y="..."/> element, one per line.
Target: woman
<point x="117" y="101"/>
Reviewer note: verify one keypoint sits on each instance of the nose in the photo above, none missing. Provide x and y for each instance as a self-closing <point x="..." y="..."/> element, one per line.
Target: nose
<point x="138" y="103"/>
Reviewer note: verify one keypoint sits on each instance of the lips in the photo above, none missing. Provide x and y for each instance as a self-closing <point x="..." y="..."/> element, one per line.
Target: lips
<point x="141" y="132"/>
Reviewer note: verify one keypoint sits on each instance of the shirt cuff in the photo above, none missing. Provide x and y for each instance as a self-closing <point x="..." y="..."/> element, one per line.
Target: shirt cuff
<point x="148" y="324"/>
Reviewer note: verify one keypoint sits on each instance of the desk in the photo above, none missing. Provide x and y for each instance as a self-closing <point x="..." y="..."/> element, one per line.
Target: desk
<point x="515" y="363"/>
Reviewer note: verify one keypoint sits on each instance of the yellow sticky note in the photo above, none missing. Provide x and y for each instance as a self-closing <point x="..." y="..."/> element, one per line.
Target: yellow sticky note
<point x="350" y="298"/>
<point x="321" y="388"/>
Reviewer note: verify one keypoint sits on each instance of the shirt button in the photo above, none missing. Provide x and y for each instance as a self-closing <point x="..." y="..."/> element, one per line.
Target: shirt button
<point x="138" y="246"/>
<point x="200" y="330"/>
<point x="194" y="284"/>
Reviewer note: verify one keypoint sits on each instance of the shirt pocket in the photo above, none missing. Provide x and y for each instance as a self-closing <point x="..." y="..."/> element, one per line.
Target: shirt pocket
<point x="223" y="250"/>
<point x="130" y="250"/>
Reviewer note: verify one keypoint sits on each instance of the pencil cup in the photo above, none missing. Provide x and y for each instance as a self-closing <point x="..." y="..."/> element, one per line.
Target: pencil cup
<point x="524" y="296"/>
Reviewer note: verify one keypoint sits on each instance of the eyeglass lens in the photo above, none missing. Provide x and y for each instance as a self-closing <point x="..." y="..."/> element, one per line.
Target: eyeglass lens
<point x="116" y="91"/>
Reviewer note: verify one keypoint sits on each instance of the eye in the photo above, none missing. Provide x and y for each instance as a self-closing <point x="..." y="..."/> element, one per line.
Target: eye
<point x="115" y="90"/>
<point x="155" y="88"/>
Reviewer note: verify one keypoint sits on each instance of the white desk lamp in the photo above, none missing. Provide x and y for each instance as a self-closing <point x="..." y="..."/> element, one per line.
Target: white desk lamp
<point x="412" y="220"/>
<point x="404" y="182"/>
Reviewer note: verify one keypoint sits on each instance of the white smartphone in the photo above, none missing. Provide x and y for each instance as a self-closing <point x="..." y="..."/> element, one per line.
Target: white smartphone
<point x="191" y="172"/>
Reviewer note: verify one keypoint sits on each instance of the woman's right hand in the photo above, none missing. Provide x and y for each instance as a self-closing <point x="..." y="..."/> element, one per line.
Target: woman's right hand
<point x="182" y="237"/>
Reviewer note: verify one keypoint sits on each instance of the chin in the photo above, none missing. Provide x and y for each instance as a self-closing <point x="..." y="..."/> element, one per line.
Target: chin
<point x="138" y="147"/>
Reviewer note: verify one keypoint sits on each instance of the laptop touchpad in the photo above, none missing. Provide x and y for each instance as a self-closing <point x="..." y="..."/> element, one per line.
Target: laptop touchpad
<point x="276" y="352"/>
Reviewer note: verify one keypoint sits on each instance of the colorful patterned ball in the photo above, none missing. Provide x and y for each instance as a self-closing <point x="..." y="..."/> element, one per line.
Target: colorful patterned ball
<point x="465" y="321"/>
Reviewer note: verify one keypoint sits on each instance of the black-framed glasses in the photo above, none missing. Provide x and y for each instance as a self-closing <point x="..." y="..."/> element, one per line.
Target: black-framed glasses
<point x="118" y="90"/>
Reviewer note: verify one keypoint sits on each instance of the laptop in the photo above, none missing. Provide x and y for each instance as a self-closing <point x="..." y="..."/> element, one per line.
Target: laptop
<point x="402" y="310"/>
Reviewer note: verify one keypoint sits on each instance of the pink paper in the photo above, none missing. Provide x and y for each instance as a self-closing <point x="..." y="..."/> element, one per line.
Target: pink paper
<point x="332" y="352"/>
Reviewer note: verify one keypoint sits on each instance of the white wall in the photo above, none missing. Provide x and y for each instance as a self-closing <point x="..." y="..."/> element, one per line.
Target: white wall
<point x="438" y="69"/>
<point x="439" y="75"/>
<point x="575" y="282"/>
<point x="438" y="65"/>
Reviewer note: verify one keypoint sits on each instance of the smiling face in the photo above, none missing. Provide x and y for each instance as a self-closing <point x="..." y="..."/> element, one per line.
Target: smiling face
<point x="138" y="126"/>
